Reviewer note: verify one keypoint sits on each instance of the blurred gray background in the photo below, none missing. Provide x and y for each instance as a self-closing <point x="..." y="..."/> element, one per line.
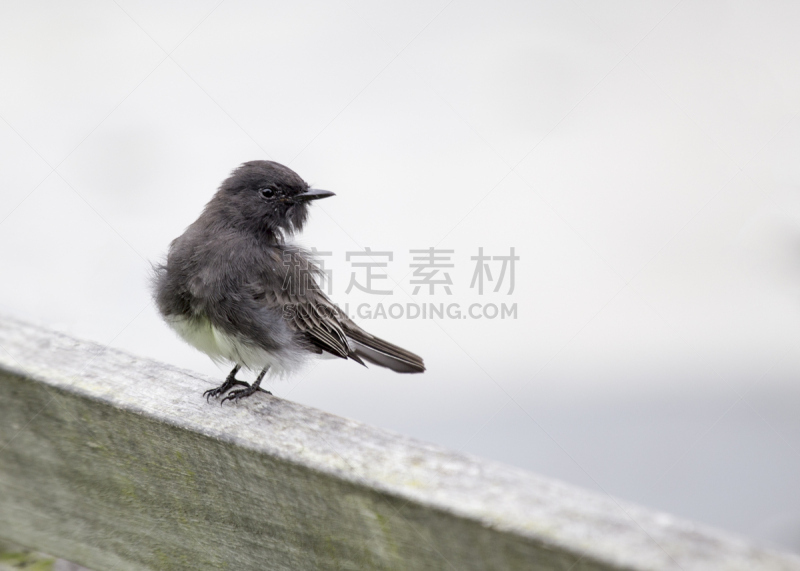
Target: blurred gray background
<point x="641" y="158"/>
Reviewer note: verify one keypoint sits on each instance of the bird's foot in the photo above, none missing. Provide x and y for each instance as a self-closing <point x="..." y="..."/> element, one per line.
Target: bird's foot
<point x="243" y="393"/>
<point x="223" y="388"/>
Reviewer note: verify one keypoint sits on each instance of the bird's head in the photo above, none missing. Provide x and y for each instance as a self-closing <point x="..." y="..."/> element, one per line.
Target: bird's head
<point x="265" y="196"/>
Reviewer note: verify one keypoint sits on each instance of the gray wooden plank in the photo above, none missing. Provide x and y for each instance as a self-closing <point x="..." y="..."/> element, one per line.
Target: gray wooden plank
<point x="116" y="462"/>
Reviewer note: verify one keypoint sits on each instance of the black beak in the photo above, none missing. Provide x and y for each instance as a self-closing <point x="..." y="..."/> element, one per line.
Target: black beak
<point x="315" y="194"/>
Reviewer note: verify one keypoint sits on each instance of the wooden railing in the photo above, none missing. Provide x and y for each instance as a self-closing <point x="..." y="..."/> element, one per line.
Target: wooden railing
<point x="116" y="462"/>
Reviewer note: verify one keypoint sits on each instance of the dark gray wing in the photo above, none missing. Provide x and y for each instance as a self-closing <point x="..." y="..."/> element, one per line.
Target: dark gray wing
<point x="303" y="305"/>
<point x="323" y="325"/>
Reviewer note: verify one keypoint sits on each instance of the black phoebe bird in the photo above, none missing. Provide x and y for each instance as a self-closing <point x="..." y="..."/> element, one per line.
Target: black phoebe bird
<point x="233" y="288"/>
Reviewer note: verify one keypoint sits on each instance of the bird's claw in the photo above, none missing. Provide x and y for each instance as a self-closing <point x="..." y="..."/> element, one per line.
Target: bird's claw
<point x="242" y="393"/>
<point x="223" y="388"/>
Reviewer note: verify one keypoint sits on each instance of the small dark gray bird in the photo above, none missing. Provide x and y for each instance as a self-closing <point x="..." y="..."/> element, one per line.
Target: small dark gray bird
<point x="233" y="288"/>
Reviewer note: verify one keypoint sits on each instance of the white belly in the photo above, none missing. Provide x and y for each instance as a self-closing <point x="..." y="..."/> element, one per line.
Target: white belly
<point x="221" y="346"/>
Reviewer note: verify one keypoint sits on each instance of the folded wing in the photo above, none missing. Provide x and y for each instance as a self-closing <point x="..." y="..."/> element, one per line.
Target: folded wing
<point x="324" y="325"/>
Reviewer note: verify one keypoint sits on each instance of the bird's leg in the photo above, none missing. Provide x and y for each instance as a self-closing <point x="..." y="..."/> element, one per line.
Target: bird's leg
<point x="230" y="382"/>
<point x="242" y="393"/>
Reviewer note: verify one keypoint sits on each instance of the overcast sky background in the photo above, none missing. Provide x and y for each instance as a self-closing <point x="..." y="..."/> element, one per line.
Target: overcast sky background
<point x="641" y="158"/>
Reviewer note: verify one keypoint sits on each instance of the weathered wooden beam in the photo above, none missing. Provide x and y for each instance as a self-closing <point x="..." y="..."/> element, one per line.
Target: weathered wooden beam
<point x="116" y="462"/>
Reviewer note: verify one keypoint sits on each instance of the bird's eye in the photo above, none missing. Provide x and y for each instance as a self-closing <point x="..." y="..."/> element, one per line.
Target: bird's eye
<point x="267" y="192"/>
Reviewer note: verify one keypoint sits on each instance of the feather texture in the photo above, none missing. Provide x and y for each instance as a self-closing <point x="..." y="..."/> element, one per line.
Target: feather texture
<point x="234" y="289"/>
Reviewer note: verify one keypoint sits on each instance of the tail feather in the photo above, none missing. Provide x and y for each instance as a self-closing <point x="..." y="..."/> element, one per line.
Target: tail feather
<point x="383" y="353"/>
